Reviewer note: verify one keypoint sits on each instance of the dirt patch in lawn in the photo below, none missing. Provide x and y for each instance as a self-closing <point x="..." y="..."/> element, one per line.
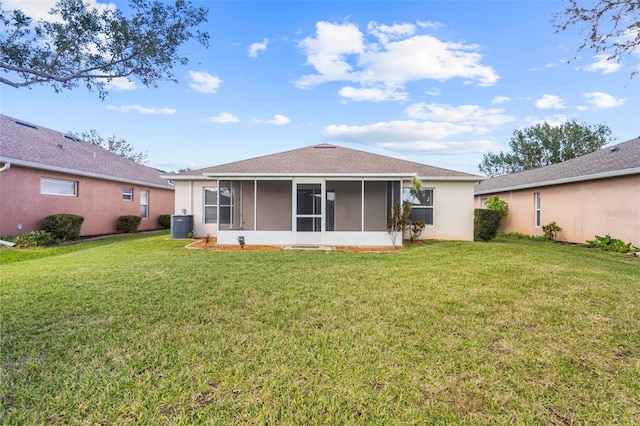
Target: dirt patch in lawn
<point x="201" y="244"/>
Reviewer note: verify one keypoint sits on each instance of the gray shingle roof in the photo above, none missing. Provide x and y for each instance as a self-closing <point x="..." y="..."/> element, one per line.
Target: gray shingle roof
<point x="329" y="160"/>
<point x="620" y="159"/>
<point x="34" y="146"/>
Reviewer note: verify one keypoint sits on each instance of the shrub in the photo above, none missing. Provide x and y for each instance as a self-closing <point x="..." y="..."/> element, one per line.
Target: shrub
<point x="611" y="244"/>
<point x="164" y="221"/>
<point x="34" y="239"/>
<point x="495" y="203"/>
<point x="551" y="230"/>
<point x="128" y="223"/>
<point x="63" y="226"/>
<point x="485" y="224"/>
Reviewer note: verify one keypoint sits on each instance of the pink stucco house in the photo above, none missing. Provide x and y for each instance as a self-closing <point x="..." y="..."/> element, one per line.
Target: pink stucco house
<point x="595" y="194"/>
<point x="45" y="172"/>
<point x="322" y="195"/>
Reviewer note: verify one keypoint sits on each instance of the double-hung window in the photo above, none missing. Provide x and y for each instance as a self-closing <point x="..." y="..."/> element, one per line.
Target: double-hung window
<point x="67" y="188"/>
<point x="211" y="205"/>
<point x="144" y="204"/>
<point x="536" y="200"/>
<point x="421" y="204"/>
<point x="127" y="194"/>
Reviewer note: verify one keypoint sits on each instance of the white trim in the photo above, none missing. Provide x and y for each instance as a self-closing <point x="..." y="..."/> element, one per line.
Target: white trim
<point x="75" y="172"/>
<point x="582" y="178"/>
<point x="282" y="238"/>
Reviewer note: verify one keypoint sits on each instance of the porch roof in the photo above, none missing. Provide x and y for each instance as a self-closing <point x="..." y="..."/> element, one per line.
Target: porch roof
<point x="328" y="161"/>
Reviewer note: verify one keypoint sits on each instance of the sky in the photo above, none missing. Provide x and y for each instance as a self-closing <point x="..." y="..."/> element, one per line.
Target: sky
<point x="437" y="82"/>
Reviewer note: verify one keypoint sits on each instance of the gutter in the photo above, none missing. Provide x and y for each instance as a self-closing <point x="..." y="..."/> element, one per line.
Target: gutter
<point x="356" y="176"/>
<point x="5" y="166"/>
<point x="582" y="178"/>
<point x="75" y="172"/>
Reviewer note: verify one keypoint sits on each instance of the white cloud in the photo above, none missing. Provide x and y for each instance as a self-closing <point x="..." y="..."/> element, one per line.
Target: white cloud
<point x="121" y="84"/>
<point x="500" y="100"/>
<point x="435" y="91"/>
<point x="603" y="100"/>
<point x="328" y="50"/>
<point x="550" y="102"/>
<point x="277" y="120"/>
<point x="604" y="65"/>
<point x="409" y="135"/>
<point x="224" y="118"/>
<point x="470" y="114"/>
<point x="552" y="120"/>
<point x="388" y="56"/>
<point x="40" y="9"/>
<point x="255" y="48"/>
<point x="431" y="128"/>
<point x="375" y="94"/>
<point x="384" y="33"/>
<point x="204" y="82"/>
<point x="142" y="110"/>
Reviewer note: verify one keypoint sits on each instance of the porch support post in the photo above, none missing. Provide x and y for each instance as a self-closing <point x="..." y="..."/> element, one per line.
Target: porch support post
<point x="362" y="206"/>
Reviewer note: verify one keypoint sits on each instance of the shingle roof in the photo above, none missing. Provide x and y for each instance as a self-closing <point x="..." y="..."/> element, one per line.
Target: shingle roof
<point x="34" y="146"/>
<point x="620" y="159"/>
<point x="329" y="160"/>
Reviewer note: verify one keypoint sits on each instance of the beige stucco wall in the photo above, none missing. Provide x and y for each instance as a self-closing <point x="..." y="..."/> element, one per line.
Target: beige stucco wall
<point x="583" y="209"/>
<point x="453" y="213"/>
<point x="23" y="208"/>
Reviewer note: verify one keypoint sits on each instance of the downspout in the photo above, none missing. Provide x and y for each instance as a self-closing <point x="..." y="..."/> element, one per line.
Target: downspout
<point x="5" y="166"/>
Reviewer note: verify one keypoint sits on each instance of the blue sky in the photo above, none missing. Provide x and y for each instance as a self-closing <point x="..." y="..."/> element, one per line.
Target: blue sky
<point x="438" y="82"/>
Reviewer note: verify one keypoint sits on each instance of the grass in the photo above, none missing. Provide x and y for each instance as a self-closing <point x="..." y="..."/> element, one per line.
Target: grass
<point x="139" y="330"/>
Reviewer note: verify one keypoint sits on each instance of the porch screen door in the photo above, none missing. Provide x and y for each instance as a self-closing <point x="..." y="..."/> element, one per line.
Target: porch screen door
<point x="308" y="207"/>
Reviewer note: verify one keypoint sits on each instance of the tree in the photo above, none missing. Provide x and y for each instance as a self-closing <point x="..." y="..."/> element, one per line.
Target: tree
<point x="115" y="145"/>
<point x="85" y="45"/>
<point x="610" y="27"/>
<point x="542" y="144"/>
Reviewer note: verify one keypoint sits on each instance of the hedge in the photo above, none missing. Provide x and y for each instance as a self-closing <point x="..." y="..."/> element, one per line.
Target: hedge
<point x="128" y="223"/>
<point x="63" y="226"/>
<point x="485" y="224"/>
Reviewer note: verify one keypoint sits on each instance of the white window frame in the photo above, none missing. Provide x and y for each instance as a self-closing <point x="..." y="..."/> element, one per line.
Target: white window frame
<point x="537" y="208"/>
<point x="72" y="184"/>
<point x="144" y="204"/>
<point x="205" y="205"/>
<point x="483" y="202"/>
<point x="405" y="197"/>
<point x="127" y="193"/>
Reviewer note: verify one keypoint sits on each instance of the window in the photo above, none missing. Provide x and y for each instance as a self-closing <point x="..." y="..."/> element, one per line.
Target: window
<point x="127" y="194"/>
<point x="483" y="202"/>
<point x="211" y="205"/>
<point x="144" y="204"/>
<point x="536" y="198"/>
<point x="421" y="204"/>
<point x="67" y="188"/>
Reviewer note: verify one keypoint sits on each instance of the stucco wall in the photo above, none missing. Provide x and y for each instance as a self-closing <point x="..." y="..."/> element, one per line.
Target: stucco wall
<point x="23" y="208"/>
<point x="453" y="211"/>
<point x="583" y="209"/>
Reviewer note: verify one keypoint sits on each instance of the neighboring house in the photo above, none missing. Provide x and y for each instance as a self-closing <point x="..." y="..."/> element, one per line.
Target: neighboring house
<point x="322" y="194"/>
<point x="45" y="172"/>
<point x="595" y="194"/>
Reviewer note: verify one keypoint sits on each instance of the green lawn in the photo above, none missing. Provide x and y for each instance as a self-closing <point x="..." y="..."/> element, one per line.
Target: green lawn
<point x="139" y="330"/>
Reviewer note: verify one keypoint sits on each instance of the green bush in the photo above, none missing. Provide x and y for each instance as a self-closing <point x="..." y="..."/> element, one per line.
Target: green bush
<point x="63" y="226"/>
<point x="485" y="224"/>
<point x="34" y="239"/>
<point x="164" y="220"/>
<point x="495" y="203"/>
<point x="128" y="223"/>
<point x="551" y="230"/>
<point x="612" y="244"/>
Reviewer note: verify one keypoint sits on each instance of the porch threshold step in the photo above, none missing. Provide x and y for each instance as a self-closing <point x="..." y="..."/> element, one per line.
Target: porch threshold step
<point x="308" y="247"/>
